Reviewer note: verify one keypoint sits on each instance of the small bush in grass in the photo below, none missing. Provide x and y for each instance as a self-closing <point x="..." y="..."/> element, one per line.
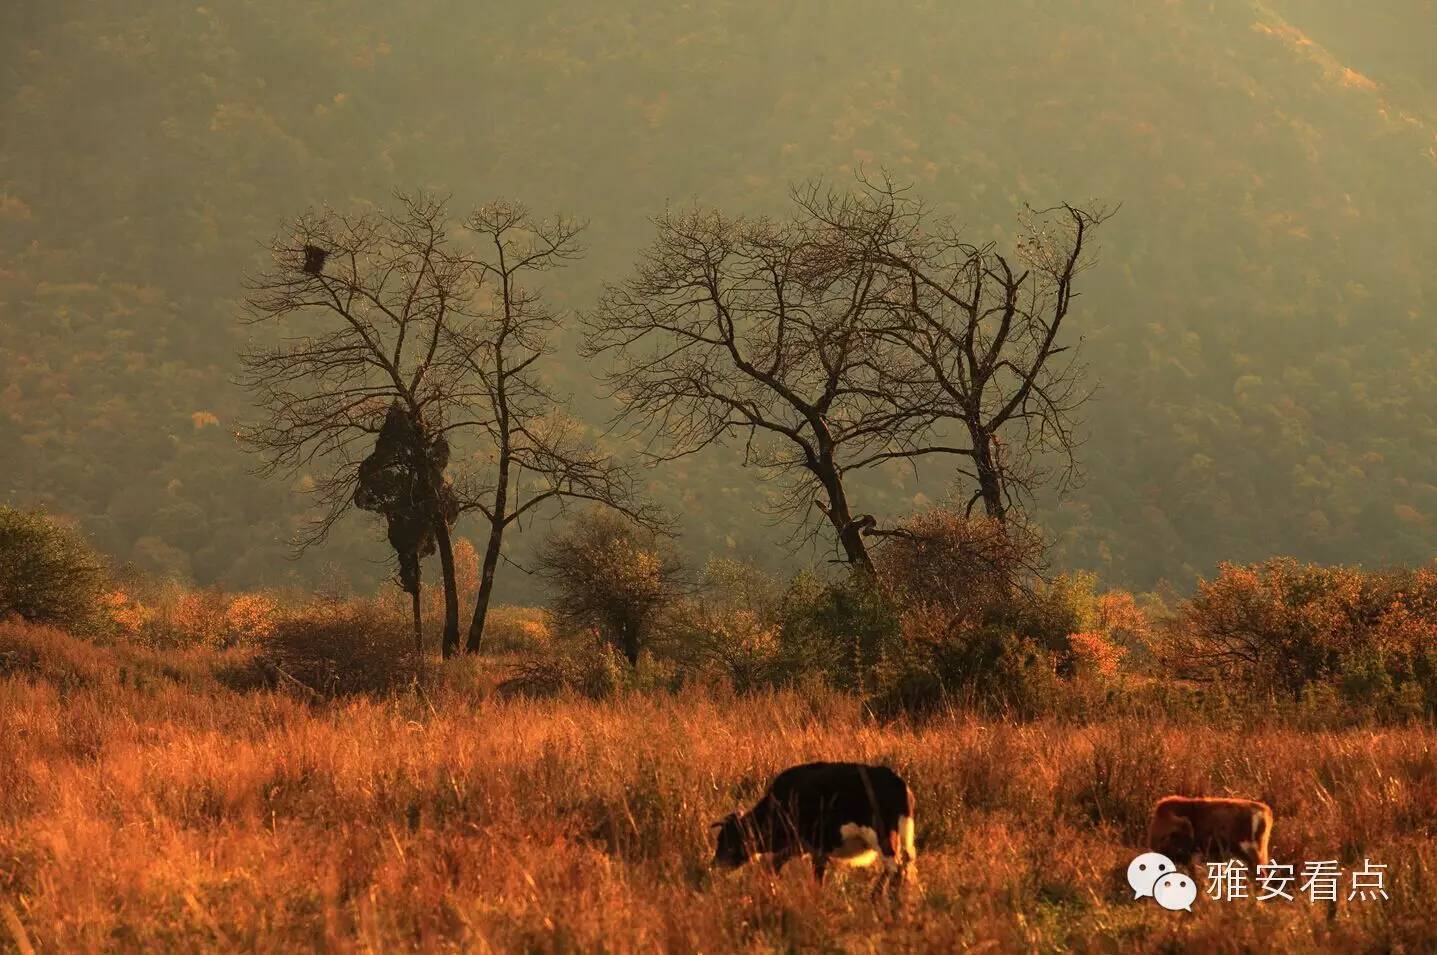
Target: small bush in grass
<point x="588" y="666"/>
<point x="613" y="577"/>
<point x="517" y="630"/>
<point x="841" y="630"/>
<point x="977" y="623"/>
<point x="1094" y="653"/>
<point x="732" y="626"/>
<point x="250" y="617"/>
<point x="344" y="646"/>
<point x="126" y="613"/>
<point x="987" y="668"/>
<point x="970" y="566"/>
<point x="48" y="574"/>
<point x="595" y="670"/>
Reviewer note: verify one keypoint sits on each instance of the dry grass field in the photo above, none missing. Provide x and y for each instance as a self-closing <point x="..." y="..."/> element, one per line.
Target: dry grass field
<point x="147" y="805"/>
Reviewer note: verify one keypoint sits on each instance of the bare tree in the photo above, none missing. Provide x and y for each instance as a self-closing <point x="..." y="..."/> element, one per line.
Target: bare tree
<point x="985" y="328"/>
<point x="741" y="328"/>
<point x="366" y="303"/>
<point x="535" y="453"/>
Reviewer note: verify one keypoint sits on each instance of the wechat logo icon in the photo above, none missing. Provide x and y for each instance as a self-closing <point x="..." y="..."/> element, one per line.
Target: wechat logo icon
<point x="1154" y="874"/>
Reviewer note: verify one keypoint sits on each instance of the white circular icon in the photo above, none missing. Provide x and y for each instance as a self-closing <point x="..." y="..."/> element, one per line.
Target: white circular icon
<point x="1175" y="891"/>
<point x="1145" y="870"/>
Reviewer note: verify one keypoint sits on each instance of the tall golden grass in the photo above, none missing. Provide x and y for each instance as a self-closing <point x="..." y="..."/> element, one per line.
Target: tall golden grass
<point x="148" y="805"/>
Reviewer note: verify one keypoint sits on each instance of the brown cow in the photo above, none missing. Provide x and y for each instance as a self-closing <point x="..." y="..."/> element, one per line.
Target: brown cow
<point x="1183" y="827"/>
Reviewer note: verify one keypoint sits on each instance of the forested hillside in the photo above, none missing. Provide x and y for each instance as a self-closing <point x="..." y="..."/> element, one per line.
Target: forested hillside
<point x="1260" y="323"/>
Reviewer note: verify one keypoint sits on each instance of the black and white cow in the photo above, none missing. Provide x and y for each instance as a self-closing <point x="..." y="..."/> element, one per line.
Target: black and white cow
<point x="842" y="812"/>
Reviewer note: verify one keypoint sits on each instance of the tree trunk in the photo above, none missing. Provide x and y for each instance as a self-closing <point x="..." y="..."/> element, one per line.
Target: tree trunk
<point x="849" y="531"/>
<point x="990" y="475"/>
<point x="498" y="521"/>
<point x="451" y="587"/>
<point x="486" y="588"/>
<point x="418" y="621"/>
<point x="631" y="645"/>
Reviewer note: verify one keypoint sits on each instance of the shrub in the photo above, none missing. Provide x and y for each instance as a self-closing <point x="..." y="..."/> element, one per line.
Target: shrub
<point x="1092" y="652"/>
<point x="973" y="568"/>
<point x="841" y="631"/>
<point x="731" y="626"/>
<point x="613" y="577"/>
<point x="596" y="671"/>
<point x="1369" y="637"/>
<point x="48" y="574"/>
<point x="976" y="573"/>
<point x="757" y="633"/>
<point x="250" y="617"/>
<point x="978" y="623"/>
<point x="989" y="668"/>
<point x="510" y="629"/>
<point x="168" y="616"/>
<point x="583" y="664"/>
<point x="343" y="646"/>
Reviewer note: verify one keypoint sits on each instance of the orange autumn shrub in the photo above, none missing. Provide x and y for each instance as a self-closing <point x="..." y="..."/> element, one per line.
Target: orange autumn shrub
<point x="1371" y="635"/>
<point x="510" y="629"/>
<point x="1114" y="622"/>
<point x="251" y="617"/>
<point x="1094" y="653"/>
<point x="172" y="616"/>
<point x="1120" y="618"/>
<point x="125" y="612"/>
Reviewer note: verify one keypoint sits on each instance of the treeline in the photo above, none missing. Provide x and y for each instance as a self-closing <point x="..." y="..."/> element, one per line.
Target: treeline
<point x="954" y="617"/>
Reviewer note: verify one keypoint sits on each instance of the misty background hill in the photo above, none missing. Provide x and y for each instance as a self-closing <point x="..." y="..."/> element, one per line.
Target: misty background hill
<point x="1260" y="323"/>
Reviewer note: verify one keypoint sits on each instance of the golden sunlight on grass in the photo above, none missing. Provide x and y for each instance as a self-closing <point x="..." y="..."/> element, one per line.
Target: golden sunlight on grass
<point x="144" y="806"/>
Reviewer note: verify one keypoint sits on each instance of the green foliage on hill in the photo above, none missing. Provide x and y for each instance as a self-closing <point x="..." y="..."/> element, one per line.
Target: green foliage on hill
<point x="1260" y="322"/>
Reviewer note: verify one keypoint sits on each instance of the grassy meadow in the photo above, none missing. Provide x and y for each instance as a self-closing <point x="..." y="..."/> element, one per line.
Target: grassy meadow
<point x="184" y="799"/>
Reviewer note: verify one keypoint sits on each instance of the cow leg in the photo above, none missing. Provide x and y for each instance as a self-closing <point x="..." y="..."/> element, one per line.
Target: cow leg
<point x="891" y="859"/>
<point x="1251" y="855"/>
<point x="778" y="860"/>
<point x="1262" y="836"/>
<point x="890" y="878"/>
<point x="820" y="866"/>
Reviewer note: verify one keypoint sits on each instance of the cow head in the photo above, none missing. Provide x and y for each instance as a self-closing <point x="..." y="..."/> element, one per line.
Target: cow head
<point x="731" y="842"/>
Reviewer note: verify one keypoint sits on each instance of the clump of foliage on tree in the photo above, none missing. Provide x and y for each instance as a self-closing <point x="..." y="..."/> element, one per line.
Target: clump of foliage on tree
<point x="403" y="480"/>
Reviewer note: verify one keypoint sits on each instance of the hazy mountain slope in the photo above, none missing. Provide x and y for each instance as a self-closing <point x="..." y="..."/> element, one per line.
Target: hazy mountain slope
<point x="1261" y="323"/>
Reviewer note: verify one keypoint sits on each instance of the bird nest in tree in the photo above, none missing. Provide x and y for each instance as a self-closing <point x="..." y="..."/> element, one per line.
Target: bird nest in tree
<point x="314" y="258"/>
